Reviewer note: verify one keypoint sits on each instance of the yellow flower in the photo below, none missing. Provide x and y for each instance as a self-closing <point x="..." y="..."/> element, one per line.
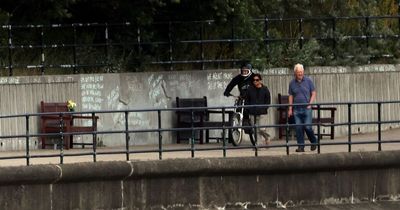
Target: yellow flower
<point x="71" y="105"/>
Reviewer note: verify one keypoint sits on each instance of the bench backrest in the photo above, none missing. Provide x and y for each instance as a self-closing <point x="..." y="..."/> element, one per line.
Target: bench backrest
<point x="186" y="115"/>
<point x="283" y="99"/>
<point x="53" y="107"/>
<point x="46" y="120"/>
<point x="191" y="102"/>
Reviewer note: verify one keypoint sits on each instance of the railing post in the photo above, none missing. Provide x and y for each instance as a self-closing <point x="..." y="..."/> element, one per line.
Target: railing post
<point x="106" y="47"/>
<point x="27" y="140"/>
<point x="223" y="133"/>
<point x="202" y="45"/>
<point x="139" y="42"/>
<point x="127" y="138"/>
<point x="301" y="33"/>
<point x="319" y="128"/>
<point x="349" y="125"/>
<point x="255" y="126"/>
<point x="94" y="140"/>
<point x="367" y="34"/>
<point x="398" y="13"/>
<point x="334" y="43"/>
<point x="287" y="131"/>
<point x="10" y="47"/>
<point x="159" y="135"/>
<point x="42" y="50"/>
<point x="170" y="51"/>
<point x="379" y="127"/>
<point x="266" y="35"/>
<point x="74" y="51"/>
<point x="232" y="44"/>
<point x="61" y="143"/>
<point x="193" y="134"/>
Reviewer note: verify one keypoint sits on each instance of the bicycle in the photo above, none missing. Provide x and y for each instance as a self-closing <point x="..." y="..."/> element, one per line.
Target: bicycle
<point x="236" y="134"/>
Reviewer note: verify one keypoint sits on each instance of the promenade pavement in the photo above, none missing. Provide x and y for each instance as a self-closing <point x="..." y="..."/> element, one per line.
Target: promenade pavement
<point x="214" y="150"/>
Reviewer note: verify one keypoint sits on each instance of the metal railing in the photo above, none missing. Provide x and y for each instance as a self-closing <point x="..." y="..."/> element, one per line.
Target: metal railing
<point x="161" y="130"/>
<point x="107" y="46"/>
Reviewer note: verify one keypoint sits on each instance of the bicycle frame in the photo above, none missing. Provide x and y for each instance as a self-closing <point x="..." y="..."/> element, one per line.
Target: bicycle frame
<point x="236" y="134"/>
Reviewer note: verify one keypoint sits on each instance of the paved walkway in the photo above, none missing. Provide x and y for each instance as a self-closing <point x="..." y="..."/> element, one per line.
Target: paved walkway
<point x="214" y="150"/>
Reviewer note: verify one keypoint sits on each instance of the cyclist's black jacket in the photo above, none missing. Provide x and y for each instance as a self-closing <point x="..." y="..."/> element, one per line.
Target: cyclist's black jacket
<point x="242" y="82"/>
<point x="258" y="96"/>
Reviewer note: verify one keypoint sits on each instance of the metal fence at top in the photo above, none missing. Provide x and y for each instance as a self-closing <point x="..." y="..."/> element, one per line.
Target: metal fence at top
<point x="174" y="45"/>
<point x="129" y="152"/>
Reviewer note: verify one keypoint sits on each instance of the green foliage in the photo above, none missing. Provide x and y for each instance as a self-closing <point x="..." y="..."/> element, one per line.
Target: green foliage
<point x="229" y="20"/>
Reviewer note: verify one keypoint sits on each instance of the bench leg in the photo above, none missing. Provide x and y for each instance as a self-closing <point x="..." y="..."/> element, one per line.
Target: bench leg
<point x="71" y="142"/>
<point x="332" y="132"/>
<point x="207" y="136"/>
<point x="43" y="140"/>
<point x="280" y="132"/>
<point x="67" y="141"/>
<point x="201" y="136"/>
<point x="178" y="137"/>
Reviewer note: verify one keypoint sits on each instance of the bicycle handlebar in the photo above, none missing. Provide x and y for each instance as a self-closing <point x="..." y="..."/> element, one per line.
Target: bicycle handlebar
<point x="238" y="97"/>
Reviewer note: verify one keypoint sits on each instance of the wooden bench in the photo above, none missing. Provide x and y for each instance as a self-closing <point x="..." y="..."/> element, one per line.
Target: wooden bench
<point x="59" y="122"/>
<point x="201" y="118"/>
<point x="326" y="121"/>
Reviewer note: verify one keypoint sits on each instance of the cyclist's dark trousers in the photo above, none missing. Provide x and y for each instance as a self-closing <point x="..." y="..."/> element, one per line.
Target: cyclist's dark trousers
<point x="246" y="122"/>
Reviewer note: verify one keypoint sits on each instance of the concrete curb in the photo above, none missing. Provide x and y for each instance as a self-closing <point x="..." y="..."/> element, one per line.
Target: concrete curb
<point x="266" y="165"/>
<point x="38" y="174"/>
<point x="115" y="170"/>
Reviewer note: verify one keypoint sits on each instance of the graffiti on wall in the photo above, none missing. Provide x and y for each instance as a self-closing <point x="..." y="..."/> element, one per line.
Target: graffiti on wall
<point x="91" y="92"/>
<point x="36" y="80"/>
<point x="135" y="119"/>
<point x="157" y="91"/>
<point x="218" y="80"/>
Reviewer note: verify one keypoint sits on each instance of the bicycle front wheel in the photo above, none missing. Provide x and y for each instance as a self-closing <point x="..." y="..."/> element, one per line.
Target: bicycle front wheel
<point x="236" y="134"/>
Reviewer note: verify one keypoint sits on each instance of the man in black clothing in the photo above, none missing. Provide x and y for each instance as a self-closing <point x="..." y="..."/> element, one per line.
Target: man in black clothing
<point x="242" y="80"/>
<point x="258" y="94"/>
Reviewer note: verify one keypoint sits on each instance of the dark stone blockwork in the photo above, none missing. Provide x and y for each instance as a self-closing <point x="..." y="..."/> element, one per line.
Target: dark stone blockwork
<point x="297" y="180"/>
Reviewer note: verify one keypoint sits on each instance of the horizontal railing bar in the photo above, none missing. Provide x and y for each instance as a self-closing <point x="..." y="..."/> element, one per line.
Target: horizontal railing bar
<point x="199" y="108"/>
<point x="328" y="18"/>
<point x="204" y="41"/>
<point x="221" y="109"/>
<point x="65" y="25"/>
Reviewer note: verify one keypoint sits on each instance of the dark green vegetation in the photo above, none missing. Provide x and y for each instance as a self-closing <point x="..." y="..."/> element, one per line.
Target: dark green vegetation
<point x="160" y="36"/>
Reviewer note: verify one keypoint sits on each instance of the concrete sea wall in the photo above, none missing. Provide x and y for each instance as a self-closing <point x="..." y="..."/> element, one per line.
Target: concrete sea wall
<point x="286" y="181"/>
<point x="19" y="95"/>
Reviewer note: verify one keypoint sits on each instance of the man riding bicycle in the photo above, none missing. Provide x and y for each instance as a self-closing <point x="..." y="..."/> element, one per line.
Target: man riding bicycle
<point x="243" y="81"/>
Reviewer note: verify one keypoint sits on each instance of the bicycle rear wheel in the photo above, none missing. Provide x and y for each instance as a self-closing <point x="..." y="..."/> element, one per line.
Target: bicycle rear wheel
<point x="236" y="134"/>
